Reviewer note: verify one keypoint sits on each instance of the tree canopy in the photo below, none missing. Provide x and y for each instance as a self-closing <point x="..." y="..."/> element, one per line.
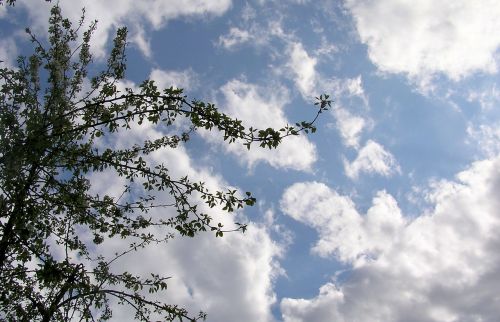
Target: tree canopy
<point x="54" y="115"/>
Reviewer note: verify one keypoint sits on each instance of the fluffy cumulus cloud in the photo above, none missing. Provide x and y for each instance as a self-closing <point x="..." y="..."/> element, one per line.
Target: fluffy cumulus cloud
<point x="372" y="158"/>
<point x="441" y="266"/>
<point x="421" y="39"/>
<point x="343" y="232"/>
<point x="186" y="79"/>
<point x="137" y="15"/>
<point x="230" y="278"/>
<point x="261" y="108"/>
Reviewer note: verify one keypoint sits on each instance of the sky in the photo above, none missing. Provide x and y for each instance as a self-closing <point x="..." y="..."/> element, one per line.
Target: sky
<point x="389" y="212"/>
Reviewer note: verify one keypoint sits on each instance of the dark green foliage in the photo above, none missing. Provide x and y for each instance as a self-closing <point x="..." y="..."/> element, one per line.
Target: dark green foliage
<point x="49" y="126"/>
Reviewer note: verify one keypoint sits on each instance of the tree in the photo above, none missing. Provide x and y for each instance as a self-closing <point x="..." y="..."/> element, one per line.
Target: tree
<point x="49" y="126"/>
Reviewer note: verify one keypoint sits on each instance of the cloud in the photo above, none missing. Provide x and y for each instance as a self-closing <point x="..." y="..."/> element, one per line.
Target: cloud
<point x="429" y="38"/>
<point x="186" y="79"/>
<point x="229" y="278"/>
<point x="343" y="232"/>
<point x="303" y="68"/>
<point x="488" y="98"/>
<point x="372" y="159"/>
<point x="310" y="83"/>
<point x="441" y="266"/>
<point x="350" y="126"/>
<point x="235" y="37"/>
<point x="261" y="108"/>
<point x="8" y="52"/>
<point x="253" y="32"/>
<point x="485" y="137"/>
<point x="321" y="308"/>
<point x="353" y="87"/>
<point x="137" y="15"/>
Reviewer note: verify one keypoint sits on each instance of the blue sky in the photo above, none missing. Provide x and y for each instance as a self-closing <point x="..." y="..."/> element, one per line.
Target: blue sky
<point x="390" y="212"/>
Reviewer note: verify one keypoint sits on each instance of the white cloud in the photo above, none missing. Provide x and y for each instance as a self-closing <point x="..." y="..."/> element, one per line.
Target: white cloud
<point x="303" y="68"/>
<point x="372" y="159"/>
<point x="350" y="126"/>
<point x="485" y="137"/>
<point x="261" y="108"/>
<point x="254" y="32"/>
<point x="425" y="38"/>
<point x="140" y="39"/>
<point x="258" y="26"/>
<point x="343" y="232"/>
<point x="326" y="49"/>
<point x="230" y="278"/>
<point x="186" y="79"/>
<point x="488" y="98"/>
<point x="8" y="52"/>
<point x="235" y="37"/>
<point x="321" y="308"/>
<point x="134" y="14"/>
<point x="441" y="266"/>
<point x="354" y="88"/>
<point x="310" y="84"/>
